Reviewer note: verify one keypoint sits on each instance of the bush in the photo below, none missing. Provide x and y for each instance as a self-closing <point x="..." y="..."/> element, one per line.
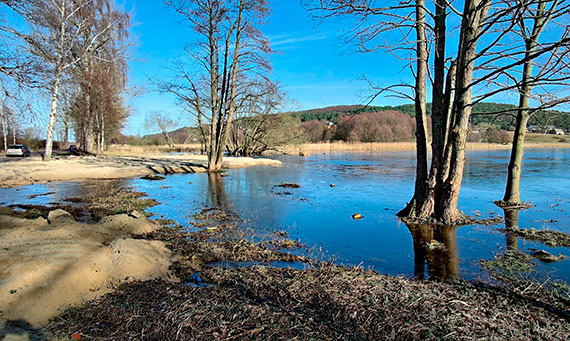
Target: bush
<point x="384" y="126"/>
<point x="315" y="130"/>
<point x="498" y="136"/>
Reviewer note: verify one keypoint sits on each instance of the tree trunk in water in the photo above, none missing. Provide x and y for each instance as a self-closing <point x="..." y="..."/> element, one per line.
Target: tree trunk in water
<point x="224" y="127"/>
<point x="453" y="166"/>
<point x="512" y="191"/>
<point x="420" y="108"/>
<point x="52" y="117"/>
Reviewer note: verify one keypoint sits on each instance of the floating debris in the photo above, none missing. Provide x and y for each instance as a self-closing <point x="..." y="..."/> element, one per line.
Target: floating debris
<point x="547" y="257"/>
<point x="153" y="177"/>
<point x="39" y="195"/>
<point x="435" y="245"/>
<point x="357" y="216"/>
<point x="288" y="185"/>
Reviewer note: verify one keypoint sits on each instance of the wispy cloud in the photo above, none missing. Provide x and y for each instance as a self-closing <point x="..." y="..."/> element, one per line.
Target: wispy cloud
<point x="291" y="41"/>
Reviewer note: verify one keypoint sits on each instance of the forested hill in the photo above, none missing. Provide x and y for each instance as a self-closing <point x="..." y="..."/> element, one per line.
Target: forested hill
<point x="483" y="112"/>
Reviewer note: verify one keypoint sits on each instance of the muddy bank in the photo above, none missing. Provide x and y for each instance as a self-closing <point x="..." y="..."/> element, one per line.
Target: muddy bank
<point x="49" y="265"/>
<point x="17" y="172"/>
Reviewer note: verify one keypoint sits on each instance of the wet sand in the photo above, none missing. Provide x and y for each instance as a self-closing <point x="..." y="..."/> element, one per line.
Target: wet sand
<point x="17" y="172"/>
<point x="49" y="265"/>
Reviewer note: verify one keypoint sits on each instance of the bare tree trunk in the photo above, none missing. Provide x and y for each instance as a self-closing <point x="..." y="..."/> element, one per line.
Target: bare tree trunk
<point x="3" y="121"/>
<point x="420" y="108"/>
<point x="55" y="89"/>
<point x="52" y="117"/>
<point x="512" y="191"/>
<point x="473" y="17"/>
<point x="102" y="134"/>
<point x="212" y="151"/>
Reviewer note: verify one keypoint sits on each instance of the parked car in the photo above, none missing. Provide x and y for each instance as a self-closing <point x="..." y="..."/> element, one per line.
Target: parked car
<point x="17" y="150"/>
<point x="73" y="149"/>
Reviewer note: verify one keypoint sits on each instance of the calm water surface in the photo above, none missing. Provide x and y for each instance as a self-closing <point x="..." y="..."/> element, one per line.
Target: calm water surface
<point x="377" y="185"/>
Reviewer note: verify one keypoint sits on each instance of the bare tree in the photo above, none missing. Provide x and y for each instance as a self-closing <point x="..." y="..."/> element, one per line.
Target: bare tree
<point x="163" y="123"/>
<point x="230" y="51"/>
<point x="262" y="122"/>
<point x="101" y="75"/>
<point x="454" y="78"/>
<point x="553" y="71"/>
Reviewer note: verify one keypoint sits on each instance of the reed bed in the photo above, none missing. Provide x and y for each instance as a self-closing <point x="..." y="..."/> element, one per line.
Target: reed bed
<point x="400" y="146"/>
<point x="130" y="150"/>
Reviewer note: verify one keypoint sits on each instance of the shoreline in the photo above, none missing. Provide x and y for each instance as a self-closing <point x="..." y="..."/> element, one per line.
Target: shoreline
<point x="32" y="170"/>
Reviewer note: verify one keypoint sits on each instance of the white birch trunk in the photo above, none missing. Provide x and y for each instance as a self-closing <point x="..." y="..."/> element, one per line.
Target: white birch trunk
<point x="52" y="118"/>
<point x="3" y="119"/>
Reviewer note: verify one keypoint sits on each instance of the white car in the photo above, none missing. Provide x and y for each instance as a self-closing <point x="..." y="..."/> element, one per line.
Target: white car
<point x="17" y="150"/>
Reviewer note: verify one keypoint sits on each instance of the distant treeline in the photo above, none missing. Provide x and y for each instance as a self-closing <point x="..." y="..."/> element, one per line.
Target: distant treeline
<point x="497" y="114"/>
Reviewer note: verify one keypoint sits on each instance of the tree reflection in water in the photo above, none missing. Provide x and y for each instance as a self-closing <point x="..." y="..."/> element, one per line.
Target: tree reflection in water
<point x="217" y="197"/>
<point x="436" y="246"/>
<point x="511" y="224"/>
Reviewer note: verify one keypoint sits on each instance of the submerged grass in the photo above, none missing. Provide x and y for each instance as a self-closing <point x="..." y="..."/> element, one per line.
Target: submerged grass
<point x="100" y="199"/>
<point x="548" y="237"/>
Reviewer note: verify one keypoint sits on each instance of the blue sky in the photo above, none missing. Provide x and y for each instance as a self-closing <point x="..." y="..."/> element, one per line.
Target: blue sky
<point x="313" y="64"/>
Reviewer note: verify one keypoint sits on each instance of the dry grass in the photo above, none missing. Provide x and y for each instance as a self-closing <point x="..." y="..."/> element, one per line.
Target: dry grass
<point x="128" y="150"/>
<point x="403" y="146"/>
<point x="321" y="303"/>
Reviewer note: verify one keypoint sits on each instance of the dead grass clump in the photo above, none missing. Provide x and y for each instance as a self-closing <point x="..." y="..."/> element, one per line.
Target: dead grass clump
<point x="215" y="214"/>
<point x="326" y="302"/>
<point x="289" y="185"/>
<point x="515" y="272"/>
<point x="547" y="237"/>
<point x="36" y="211"/>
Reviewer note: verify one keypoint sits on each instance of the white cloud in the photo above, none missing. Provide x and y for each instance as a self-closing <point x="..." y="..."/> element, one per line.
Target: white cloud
<point x="285" y="41"/>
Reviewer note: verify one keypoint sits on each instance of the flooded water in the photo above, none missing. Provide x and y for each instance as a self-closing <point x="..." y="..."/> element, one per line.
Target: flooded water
<point x="376" y="185"/>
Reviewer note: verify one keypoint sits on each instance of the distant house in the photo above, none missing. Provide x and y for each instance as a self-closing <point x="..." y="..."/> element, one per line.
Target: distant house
<point x="535" y="129"/>
<point x="556" y="131"/>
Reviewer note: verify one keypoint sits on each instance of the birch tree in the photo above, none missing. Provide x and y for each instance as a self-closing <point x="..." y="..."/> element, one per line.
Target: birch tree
<point x="56" y="36"/>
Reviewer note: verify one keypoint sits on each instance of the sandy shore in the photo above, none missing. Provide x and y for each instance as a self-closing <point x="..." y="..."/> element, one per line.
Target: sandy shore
<point x="51" y="264"/>
<point x="17" y="172"/>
